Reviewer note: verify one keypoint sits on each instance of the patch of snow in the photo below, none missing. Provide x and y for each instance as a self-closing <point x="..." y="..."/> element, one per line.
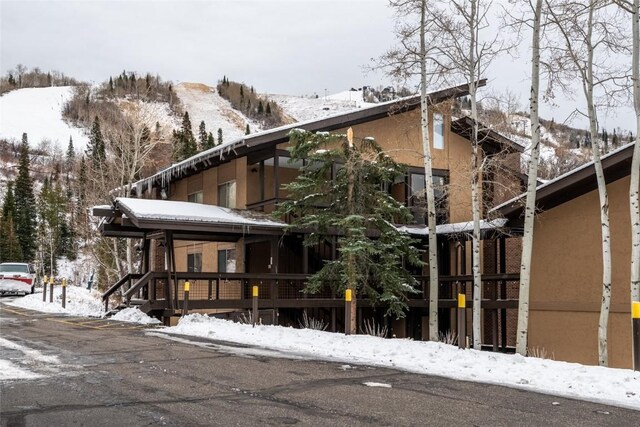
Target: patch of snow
<point x="304" y="108"/>
<point x="134" y="315"/>
<point x="594" y="383"/>
<point x="374" y="384"/>
<point x="9" y="371"/>
<point x="80" y="302"/>
<point x="38" y="112"/>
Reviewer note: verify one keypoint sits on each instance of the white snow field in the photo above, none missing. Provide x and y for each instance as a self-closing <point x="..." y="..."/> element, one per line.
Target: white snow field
<point x="304" y="108"/>
<point x="203" y="103"/>
<point x="38" y="112"/>
<point x="619" y="387"/>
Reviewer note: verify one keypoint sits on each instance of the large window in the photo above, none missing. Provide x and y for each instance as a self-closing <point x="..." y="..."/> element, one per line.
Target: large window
<point x="227" y="194"/>
<point x="438" y="131"/>
<point x="194" y="262"/>
<point x="227" y="261"/>
<point x="195" y="197"/>
<point x="417" y="196"/>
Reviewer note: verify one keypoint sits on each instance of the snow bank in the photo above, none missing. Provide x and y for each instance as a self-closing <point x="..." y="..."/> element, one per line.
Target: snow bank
<point x="134" y="315"/>
<point x="605" y="385"/>
<point x="80" y="302"/>
<point x="38" y="112"/>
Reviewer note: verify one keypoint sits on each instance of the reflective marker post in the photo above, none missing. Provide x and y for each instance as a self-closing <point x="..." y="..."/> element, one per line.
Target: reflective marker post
<point x="64" y="293"/>
<point x="44" y="289"/>
<point x="462" y="321"/>
<point x="185" y="306"/>
<point x="347" y="312"/>
<point x="635" y="322"/>
<point x="51" y="289"/>
<point x="254" y="304"/>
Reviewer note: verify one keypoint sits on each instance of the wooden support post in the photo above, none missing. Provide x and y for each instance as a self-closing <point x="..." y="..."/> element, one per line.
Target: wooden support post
<point x="185" y="306"/>
<point x="462" y="321"/>
<point x="44" y="289"/>
<point x="209" y="289"/>
<point x="635" y="319"/>
<point x="503" y="294"/>
<point x="254" y="304"/>
<point x="51" y="289"/>
<point x="64" y="293"/>
<point x="275" y="261"/>
<point x="347" y="312"/>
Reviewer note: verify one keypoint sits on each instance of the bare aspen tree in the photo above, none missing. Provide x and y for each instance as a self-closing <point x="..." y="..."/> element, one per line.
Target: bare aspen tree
<point x="585" y="28"/>
<point x="410" y="59"/>
<point x="530" y="204"/>
<point x="467" y="47"/>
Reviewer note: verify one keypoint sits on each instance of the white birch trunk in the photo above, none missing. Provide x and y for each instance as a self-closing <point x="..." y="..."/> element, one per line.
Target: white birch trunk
<point x="527" y="239"/>
<point x="428" y="176"/>
<point x="603" y="359"/>
<point x="634" y="187"/>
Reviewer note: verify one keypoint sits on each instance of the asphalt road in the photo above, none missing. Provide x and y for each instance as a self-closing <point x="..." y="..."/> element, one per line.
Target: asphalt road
<point x="99" y="372"/>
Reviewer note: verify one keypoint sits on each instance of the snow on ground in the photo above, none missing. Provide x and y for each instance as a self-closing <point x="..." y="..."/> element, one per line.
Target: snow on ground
<point x="134" y="315"/>
<point x="303" y="108"/>
<point x="80" y="302"/>
<point x="605" y="385"/>
<point x="78" y="271"/>
<point x="38" y="112"/>
<point x="19" y="362"/>
<point x="203" y="103"/>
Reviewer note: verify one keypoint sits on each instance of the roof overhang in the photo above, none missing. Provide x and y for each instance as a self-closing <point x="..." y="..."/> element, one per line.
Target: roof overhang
<point x="491" y="141"/>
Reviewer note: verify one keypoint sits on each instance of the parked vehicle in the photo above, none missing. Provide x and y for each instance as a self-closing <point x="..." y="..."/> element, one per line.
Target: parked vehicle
<point x="17" y="278"/>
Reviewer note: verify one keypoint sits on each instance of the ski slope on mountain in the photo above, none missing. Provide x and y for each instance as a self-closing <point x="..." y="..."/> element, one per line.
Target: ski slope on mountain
<point x="202" y="102"/>
<point x="303" y="108"/>
<point x="38" y="112"/>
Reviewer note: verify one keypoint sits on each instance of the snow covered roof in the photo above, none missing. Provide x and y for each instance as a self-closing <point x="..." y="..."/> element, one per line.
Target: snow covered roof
<point x="454" y="228"/>
<point x="237" y="147"/>
<point x="130" y="217"/>
<point x="572" y="184"/>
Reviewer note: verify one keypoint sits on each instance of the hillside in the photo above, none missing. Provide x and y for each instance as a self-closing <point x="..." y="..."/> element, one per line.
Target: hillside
<point x="303" y="108"/>
<point x="38" y="112"/>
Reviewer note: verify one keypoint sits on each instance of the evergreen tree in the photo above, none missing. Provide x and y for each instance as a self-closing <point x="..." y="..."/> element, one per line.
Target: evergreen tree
<point x="71" y="155"/>
<point x="211" y="141"/>
<point x="241" y="94"/>
<point x="614" y="139"/>
<point x="10" y="249"/>
<point x="219" y="136"/>
<point x="202" y="135"/>
<point x="184" y="143"/>
<point x="358" y="207"/>
<point x="247" y="131"/>
<point x="260" y="107"/>
<point x="96" y="149"/>
<point x="268" y="109"/>
<point x="25" y="203"/>
<point x="110" y="84"/>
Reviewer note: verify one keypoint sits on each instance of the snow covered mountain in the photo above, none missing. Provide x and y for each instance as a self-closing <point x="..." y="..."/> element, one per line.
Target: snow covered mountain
<point x="38" y="112"/>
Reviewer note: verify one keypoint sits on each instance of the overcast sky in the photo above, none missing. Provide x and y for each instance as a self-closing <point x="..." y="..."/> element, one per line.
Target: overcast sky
<point x="291" y="47"/>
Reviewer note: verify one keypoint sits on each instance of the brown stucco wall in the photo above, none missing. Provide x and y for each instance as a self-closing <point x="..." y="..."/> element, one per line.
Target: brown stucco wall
<point x="566" y="279"/>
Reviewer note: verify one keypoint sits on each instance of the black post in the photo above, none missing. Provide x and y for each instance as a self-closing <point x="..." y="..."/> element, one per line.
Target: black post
<point x="254" y="305"/>
<point x="347" y="312"/>
<point x="51" y="289"/>
<point x="185" y="306"/>
<point x="64" y="293"/>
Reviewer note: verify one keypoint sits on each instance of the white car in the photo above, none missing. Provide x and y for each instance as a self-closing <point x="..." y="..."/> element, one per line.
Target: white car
<point x="17" y="278"/>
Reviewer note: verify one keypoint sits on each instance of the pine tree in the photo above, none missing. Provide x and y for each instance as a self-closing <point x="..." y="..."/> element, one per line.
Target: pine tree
<point x="260" y="107"/>
<point x="268" y="109"/>
<point x="96" y="149"/>
<point x="247" y="131"/>
<point x="25" y="202"/>
<point x="184" y="143"/>
<point x="219" y="136"/>
<point x="71" y="155"/>
<point x="358" y="207"/>
<point x="110" y="84"/>
<point x="241" y="94"/>
<point x="10" y="249"/>
<point x="614" y="139"/>
<point x="211" y="141"/>
<point x="202" y="135"/>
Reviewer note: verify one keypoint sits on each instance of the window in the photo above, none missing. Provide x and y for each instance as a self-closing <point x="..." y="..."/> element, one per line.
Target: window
<point x="418" y="197"/>
<point x="438" y="131"/>
<point x="227" y="261"/>
<point x="194" y="262"/>
<point x="195" y="197"/>
<point x="227" y="195"/>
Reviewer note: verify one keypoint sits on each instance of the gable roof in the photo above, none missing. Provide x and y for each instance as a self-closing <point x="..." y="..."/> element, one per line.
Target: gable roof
<point x="575" y="183"/>
<point x="249" y="143"/>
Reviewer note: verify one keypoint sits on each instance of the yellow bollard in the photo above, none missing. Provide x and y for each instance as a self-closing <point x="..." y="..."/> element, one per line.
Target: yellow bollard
<point x="254" y="304"/>
<point x="347" y="312"/>
<point x="462" y="321"/>
<point x="635" y="330"/>
<point x="44" y="288"/>
<point x="51" y="289"/>
<point x="185" y="307"/>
